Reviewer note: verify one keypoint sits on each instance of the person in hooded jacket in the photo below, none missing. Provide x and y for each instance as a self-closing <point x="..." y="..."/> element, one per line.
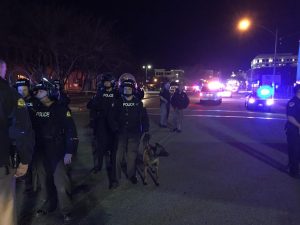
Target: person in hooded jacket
<point x="179" y="102"/>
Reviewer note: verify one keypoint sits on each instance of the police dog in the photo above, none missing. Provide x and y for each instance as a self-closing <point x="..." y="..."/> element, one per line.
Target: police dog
<point x="151" y="156"/>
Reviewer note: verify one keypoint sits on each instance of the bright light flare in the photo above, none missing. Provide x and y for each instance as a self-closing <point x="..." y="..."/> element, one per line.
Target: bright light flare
<point x="270" y="102"/>
<point x="226" y="94"/>
<point x="251" y="100"/>
<point x="244" y="24"/>
<point x="265" y="92"/>
<point x="214" y="85"/>
<point x="196" y="88"/>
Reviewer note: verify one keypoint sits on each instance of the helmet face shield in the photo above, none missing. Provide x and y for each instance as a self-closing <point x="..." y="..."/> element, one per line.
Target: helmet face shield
<point x="126" y="76"/>
<point x="127" y="91"/>
<point x="41" y="93"/>
<point x="128" y="87"/>
<point x="22" y="83"/>
<point x="23" y="91"/>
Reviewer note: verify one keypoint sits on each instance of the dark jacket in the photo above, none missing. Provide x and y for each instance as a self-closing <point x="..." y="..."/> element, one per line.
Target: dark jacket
<point x="129" y="116"/>
<point x="180" y="100"/>
<point x="32" y="103"/>
<point x="100" y="106"/>
<point x="63" y="98"/>
<point x="293" y="109"/>
<point x="165" y="94"/>
<point x="56" y="132"/>
<point x="15" y="125"/>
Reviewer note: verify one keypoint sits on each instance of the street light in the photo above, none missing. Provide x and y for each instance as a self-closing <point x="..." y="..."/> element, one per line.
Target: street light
<point x="244" y="25"/>
<point x="146" y="68"/>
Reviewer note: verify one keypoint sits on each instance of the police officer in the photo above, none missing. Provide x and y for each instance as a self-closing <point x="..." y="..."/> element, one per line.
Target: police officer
<point x="293" y="132"/>
<point x="14" y="125"/>
<point x="99" y="107"/>
<point x="23" y="88"/>
<point x="62" y="97"/>
<point x="56" y="142"/>
<point x="129" y="120"/>
<point x="138" y="92"/>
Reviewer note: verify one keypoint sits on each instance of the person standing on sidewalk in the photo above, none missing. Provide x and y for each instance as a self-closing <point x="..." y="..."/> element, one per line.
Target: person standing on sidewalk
<point x="105" y="140"/>
<point x="293" y="132"/>
<point x="15" y="126"/>
<point x="56" y="142"/>
<point x="179" y="102"/>
<point x="23" y="88"/>
<point x="165" y="98"/>
<point x="129" y="120"/>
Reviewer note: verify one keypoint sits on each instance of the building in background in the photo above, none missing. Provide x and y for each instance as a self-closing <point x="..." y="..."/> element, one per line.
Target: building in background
<point x="171" y="75"/>
<point x="262" y="69"/>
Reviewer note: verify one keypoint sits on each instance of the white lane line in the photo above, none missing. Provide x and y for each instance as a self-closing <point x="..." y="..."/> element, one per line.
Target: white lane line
<point x="233" y="111"/>
<point x="222" y="116"/>
<point x="230" y="111"/>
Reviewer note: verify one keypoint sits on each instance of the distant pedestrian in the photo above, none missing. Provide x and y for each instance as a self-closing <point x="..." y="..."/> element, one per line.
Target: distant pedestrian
<point x="179" y="102"/>
<point x="293" y="132"/>
<point x="165" y="98"/>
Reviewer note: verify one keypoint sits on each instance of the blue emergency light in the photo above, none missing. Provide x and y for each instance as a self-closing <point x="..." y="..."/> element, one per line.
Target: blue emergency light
<point x="265" y="92"/>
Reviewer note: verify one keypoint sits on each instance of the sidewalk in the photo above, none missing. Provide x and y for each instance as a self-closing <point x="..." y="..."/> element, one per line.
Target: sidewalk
<point x="89" y="189"/>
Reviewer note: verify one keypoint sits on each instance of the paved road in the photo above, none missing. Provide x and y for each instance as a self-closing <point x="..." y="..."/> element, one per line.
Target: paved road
<point x="228" y="166"/>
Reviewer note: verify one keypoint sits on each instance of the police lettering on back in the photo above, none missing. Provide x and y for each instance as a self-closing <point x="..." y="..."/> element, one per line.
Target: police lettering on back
<point x="43" y="114"/>
<point x="129" y="104"/>
<point x="106" y="95"/>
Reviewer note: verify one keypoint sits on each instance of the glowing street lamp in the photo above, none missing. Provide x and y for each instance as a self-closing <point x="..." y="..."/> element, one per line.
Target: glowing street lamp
<point x="146" y="68"/>
<point x="244" y="24"/>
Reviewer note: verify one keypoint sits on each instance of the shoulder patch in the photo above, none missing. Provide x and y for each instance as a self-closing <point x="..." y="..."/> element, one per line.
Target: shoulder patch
<point x="68" y="114"/>
<point x="21" y="103"/>
<point x="291" y="104"/>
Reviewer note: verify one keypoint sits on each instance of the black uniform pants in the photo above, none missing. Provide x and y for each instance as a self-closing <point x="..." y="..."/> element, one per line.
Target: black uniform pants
<point x="104" y="145"/>
<point x="293" y="140"/>
<point x="56" y="187"/>
<point x="128" y="146"/>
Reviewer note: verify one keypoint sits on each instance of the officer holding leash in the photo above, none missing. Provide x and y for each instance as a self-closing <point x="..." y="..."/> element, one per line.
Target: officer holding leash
<point x="293" y="132"/>
<point x="56" y="142"/>
<point x="130" y="121"/>
<point x="14" y="126"/>
<point x="100" y="107"/>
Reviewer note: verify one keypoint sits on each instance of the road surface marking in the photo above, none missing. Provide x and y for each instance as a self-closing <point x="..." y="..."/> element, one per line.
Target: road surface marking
<point x="223" y="116"/>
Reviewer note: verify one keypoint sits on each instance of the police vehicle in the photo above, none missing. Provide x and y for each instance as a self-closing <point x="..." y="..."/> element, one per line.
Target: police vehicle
<point x="208" y="94"/>
<point x="262" y="99"/>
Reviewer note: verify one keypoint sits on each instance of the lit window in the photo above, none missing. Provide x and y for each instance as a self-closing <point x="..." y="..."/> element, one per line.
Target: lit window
<point x="260" y="60"/>
<point x="270" y="60"/>
<point x="282" y="60"/>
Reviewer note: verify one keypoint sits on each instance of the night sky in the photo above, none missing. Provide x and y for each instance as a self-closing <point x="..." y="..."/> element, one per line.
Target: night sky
<point x="175" y="34"/>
